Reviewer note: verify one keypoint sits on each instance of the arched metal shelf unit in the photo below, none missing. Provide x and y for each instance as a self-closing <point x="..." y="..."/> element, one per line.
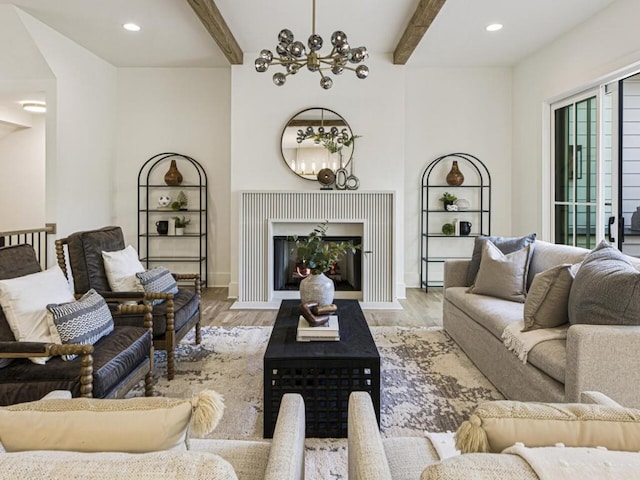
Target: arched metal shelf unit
<point x="192" y="247"/>
<point x="435" y="246"/>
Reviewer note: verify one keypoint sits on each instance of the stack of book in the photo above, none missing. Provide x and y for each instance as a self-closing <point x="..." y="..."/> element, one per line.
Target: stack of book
<point x="329" y="332"/>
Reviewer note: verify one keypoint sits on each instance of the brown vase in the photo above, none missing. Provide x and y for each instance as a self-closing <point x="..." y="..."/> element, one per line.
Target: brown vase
<point x="173" y="176"/>
<point x="455" y="177"/>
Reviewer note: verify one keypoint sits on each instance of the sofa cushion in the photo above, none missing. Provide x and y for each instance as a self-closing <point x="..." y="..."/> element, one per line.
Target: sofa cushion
<point x="497" y="425"/>
<point x="24" y="301"/>
<point x="248" y="458"/>
<point x="606" y="290"/>
<point x="547" y="302"/>
<point x="82" y="322"/>
<point x="550" y="357"/>
<point x="408" y="456"/>
<point x="154" y="465"/>
<point x="547" y="255"/>
<point x="121" y="267"/>
<point x="492" y="313"/>
<point x="480" y="466"/>
<point x="505" y="245"/>
<point x="133" y="425"/>
<point x="502" y="275"/>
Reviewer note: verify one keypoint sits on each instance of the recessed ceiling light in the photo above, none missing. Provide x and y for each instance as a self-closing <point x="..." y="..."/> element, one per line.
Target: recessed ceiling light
<point x="494" y="27"/>
<point x="132" y="27"/>
<point x="35" y="107"/>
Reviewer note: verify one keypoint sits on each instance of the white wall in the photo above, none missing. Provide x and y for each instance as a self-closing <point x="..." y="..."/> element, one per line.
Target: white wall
<point x="603" y="44"/>
<point x="374" y="108"/>
<point x="80" y="132"/>
<point x="22" y="183"/>
<point x="185" y="111"/>
<point x="456" y="110"/>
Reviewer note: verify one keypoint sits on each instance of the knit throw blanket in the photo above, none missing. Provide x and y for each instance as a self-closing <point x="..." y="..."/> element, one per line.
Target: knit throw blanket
<point x="570" y="463"/>
<point x="521" y="343"/>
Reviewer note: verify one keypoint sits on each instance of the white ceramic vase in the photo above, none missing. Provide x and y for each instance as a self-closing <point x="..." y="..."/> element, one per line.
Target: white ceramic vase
<point x="179" y="231"/>
<point x="317" y="288"/>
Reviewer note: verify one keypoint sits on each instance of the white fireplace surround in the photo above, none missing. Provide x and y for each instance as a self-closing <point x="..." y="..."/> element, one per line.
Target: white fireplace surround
<point x="264" y="214"/>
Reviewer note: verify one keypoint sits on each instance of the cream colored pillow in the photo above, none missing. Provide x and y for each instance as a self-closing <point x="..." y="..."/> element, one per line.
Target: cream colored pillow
<point x="25" y="299"/>
<point x="134" y="425"/>
<point x="121" y="267"/>
<point x="502" y="276"/>
<point x="497" y="425"/>
<point x="547" y="302"/>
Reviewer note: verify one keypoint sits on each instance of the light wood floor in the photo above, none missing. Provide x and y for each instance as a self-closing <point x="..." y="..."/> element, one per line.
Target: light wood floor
<point x="420" y="309"/>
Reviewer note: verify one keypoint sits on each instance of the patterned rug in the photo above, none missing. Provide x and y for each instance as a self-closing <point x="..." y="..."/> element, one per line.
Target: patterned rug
<point x="428" y="384"/>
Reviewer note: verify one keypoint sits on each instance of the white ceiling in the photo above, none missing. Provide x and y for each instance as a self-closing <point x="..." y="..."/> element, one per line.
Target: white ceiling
<point x="172" y="35"/>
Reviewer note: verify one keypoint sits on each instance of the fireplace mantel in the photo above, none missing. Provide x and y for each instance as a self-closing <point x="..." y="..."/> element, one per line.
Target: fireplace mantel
<point x="259" y="210"/>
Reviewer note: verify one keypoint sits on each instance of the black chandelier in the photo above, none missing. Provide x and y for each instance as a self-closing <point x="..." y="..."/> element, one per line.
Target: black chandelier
<point x="292" y="55"/>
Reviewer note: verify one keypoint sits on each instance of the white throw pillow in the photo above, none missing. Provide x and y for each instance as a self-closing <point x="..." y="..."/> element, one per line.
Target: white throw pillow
<point x="25" y="299"/>
<point x="121" y="267"/>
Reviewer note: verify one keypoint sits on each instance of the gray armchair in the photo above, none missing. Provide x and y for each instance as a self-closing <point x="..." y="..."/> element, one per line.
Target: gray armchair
<point x="107" y="369"/>
<point x="172" y="319"/>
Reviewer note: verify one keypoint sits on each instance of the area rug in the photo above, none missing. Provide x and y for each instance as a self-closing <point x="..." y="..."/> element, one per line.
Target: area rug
<point x="427" y="384"/>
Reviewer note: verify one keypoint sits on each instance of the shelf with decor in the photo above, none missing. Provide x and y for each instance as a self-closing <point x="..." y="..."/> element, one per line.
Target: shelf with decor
<point x="461" y="180"/>
<point x="172" y="187"/>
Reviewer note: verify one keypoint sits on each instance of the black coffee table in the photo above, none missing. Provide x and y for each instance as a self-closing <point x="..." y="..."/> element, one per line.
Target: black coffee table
<point x="324" y="373"/>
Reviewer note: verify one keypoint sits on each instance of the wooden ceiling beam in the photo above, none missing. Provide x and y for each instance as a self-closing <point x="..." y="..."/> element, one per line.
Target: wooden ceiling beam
<point x="212" y="19"/>
<point x="420" y="22"/>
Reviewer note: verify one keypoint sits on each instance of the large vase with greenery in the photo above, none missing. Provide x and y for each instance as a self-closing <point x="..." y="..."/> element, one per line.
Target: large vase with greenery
<point x="319" y="255"/>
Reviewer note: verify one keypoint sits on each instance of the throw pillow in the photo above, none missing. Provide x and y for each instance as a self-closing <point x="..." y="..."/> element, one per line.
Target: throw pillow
<point x="24" y="301"/>
<point x="606" y="290"/>
<point x="547" y="302"/>
<point x="496" y="425"/>
<point x="500" y="275"/>
<point x="121" y="267"/>
<point x="81" y="322"/>
<point x="134" y="425"/>
<point x="505" y="244"/>
<point x="158" y="280"/>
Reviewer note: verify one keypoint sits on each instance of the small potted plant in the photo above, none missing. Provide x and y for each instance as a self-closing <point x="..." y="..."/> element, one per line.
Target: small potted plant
<point x="318" y="256"/>
<point x="448" y="199"/>
<point x="181" y="202"/>
<point x="181" y="223"/>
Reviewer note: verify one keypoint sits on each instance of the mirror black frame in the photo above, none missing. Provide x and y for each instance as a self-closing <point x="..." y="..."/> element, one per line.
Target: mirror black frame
<point x="292" y="130"/>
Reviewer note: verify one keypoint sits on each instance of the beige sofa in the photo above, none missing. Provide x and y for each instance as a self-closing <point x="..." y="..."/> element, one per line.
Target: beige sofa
<point x="282" y="458"/>
<point x="593" y="357"/>
<point x="372" y="457"/>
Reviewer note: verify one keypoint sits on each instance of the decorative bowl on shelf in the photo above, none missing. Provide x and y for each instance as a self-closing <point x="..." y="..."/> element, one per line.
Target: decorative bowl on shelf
<point x="463" y="204"/>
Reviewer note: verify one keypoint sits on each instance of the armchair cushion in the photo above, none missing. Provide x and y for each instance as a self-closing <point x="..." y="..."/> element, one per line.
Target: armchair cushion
<point x="121" y="268"/>
<point x="158" y="280"/>
<point x="24" y="300"/>
<point x="81" y="322"/>
<point x="114" y="357"/>
<point x="185" y="306"/>
<point x="85" y="257"/>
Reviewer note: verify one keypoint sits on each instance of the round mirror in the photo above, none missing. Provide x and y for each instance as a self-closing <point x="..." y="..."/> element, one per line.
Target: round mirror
<point x="314" y="139"/>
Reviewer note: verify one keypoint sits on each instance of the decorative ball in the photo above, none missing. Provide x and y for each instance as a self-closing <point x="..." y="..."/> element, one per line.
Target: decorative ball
<point x="164" y="200"/>
<point x="448" y="229"/>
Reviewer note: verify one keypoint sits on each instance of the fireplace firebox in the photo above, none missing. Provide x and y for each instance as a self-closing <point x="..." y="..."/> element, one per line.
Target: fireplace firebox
<point x="346" y="273"/>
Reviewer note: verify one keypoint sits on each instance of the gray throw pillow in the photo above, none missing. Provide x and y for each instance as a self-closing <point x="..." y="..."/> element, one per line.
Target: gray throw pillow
<point x="606" y="290"/>
<point x="505" y="244"/>
<point x="547" y="302"/>
<point x="158" y="280"/>
<point x="82" y="322"/>
<point x="502" y="276"/>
